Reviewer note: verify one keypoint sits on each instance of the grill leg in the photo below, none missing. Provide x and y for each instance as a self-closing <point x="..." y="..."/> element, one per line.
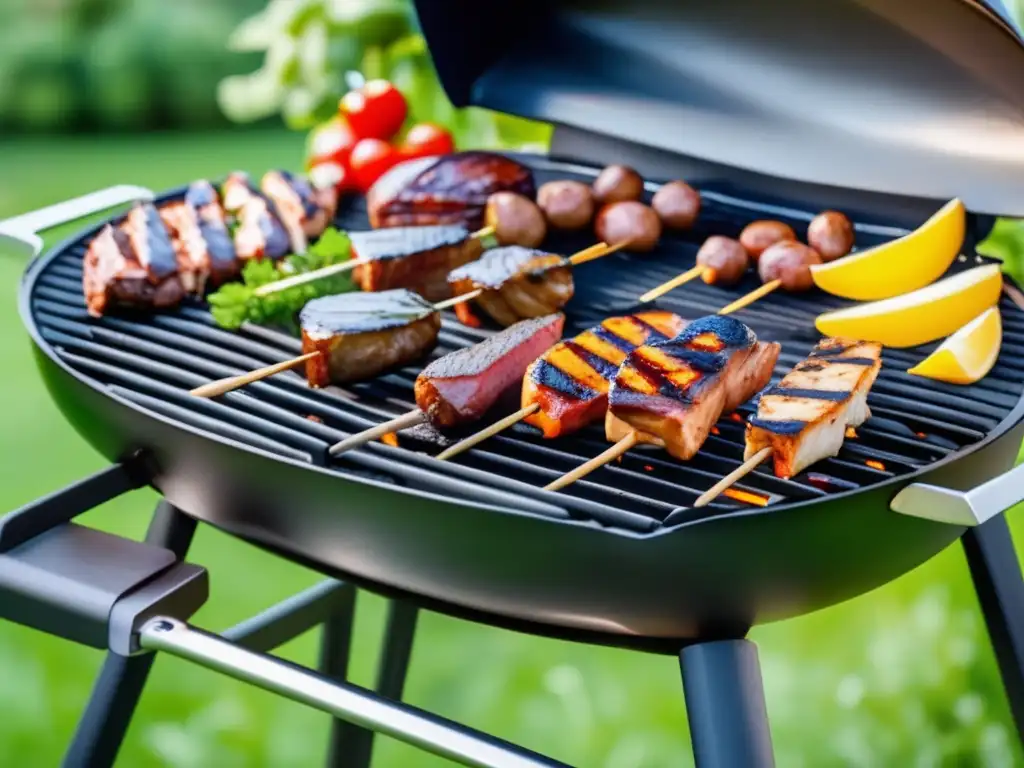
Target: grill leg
<point x="996" y="573"/>
<point x="119" y="685"/>
<point x="725" y="705"/>
<point x="335" y="646"/>
<point x="394" y="663"/>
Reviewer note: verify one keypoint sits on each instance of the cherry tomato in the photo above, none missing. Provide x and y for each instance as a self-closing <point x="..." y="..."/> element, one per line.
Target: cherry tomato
<point x="330" y="174"/>
<point x="425" y="139"/>
<point x="331" y="142"/>
<point x="369" y="160"/>
<point x="375" y="111"/>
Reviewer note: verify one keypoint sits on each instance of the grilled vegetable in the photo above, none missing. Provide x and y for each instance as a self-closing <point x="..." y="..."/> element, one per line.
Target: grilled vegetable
<point x="804" y="418"/>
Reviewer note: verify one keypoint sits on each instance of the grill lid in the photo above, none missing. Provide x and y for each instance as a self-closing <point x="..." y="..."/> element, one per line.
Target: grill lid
<point x="918" y="98"/>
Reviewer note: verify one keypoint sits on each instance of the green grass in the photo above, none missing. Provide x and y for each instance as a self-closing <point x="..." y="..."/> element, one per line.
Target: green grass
<point x="901" y="677"/>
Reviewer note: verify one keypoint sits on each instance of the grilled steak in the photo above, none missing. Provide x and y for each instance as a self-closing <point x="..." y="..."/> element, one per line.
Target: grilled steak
<point x="417" y="258"/>
<point x="570" y="381"/>
<point x="517" y="283"/>
<point x="363" y="334"/>
<point x="220" y="250"/>
<point x="304" y="212"/>
<point x="804" y="418"/>
<point x="449" y="189"/>
<point x="461" y="386"/>
<point x="671" y="393"/>
<point x="258" y="231"/>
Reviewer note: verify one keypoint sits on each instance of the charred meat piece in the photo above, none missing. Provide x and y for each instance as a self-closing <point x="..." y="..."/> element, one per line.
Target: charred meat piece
<point x="220" y="250"/>
<point x="804" y="418"/>
<point x="518" y="283"/>
<point x="671" y="393"/>
<point x="189" y="246"/>
<point x="253" y="219"/>
<point x="417" y="258"/>
<point x="304" y="212"/>
<point x="569" y="383"/>
<point x="449" y="189"/>
<point x="363" y="334"/>
<point x="459" y="387"/>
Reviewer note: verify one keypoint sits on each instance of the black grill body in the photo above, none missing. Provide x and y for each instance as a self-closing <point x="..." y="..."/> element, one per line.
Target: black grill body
<point x="619" y="558"/>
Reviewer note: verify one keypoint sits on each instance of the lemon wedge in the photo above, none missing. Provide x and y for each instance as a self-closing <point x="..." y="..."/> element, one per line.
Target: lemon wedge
<point x="900" y="266"/>
<point x="969" y="354"/>
<point x="921" y="316"/>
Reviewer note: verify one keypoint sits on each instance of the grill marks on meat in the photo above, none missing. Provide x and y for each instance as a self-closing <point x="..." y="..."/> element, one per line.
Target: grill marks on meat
<point x="569" y="383"/>
<point x="417" y="258"/>
<point x="254" y="220"/>
<point x="517" y="283"/>
<point x="671" y="393"/>
<point x="804" y="418"/>
<point x="361" y="335"/>
<point x="204" y="201"/>
<point x="461" y="386"/>
<point x="304" y="212"/>
<point x="450" y="189"/>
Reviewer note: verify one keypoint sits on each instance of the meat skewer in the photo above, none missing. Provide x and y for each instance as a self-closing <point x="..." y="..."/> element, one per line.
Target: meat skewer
<point x="461" y="386"/>
<point x="671" y="393"/>
<point x="804" y="419"/>
<point x="256" y="224"/>
<point x="720" y="261"/>
<point x="304" y="212"/>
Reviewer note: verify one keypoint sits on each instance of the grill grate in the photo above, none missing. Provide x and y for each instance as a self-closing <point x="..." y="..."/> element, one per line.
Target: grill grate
<point x="154" y="361"/>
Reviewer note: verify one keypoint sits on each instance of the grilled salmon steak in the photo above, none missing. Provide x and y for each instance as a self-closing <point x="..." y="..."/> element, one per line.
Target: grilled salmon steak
<point x="517" y="283"/>
<point x="804" y="418"/>
<point x="305" y="212"/>
<point x="417" y="258"/>
<point x="361" y="335"/>
<point x="253" y="220"/>
<point x="569" y="383"/>
<point x="672" y="392"/>
<point x="461" y="386"/>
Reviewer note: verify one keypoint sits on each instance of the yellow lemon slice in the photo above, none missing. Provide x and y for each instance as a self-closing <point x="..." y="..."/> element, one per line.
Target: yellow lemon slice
<point x="969" y="354"/>
<point x="924" y="315"/>
<point x="900" y="266"/>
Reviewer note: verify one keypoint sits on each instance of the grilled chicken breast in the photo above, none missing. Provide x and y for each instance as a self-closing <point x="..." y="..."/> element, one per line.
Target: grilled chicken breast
<point x="569" y="383"/>
<point x="304" y="212"/>
<point x="804" y="418"/>
<point x="672" y="392"/>
<point x="363" y="334"/>
<point x="204" y="201"/>
<point x="254" y="220"/>
<point x="417" y="258"/>
<point x="517" y="283"/>
<point x="449" y="189"/>
<point x="461" y="386"/>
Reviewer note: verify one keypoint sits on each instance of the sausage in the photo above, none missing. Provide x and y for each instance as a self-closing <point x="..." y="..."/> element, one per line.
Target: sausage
<point x="790" y="262"/>
<point x="758" y="235"/>
<point x="628" y="220"/>
<point x="830" y="233"/>
<point x="566" y="204"/>
<point x="617" y="183"/>
<point x="726" y="259"/>
<point x="677" y="205"/>
<point x="516" y="220"/>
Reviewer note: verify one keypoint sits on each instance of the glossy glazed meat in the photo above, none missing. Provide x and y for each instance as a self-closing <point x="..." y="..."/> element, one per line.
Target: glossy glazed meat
<point x="257" y="229"/>
<point x="518" y="283"/>
<point x="461" y="386"/>
<point x="448" y="189"/>
<point x="363" y="334"/>
<point x="417" y="258"/>
<point x="570" y="381"/>
<point x="305" y="212"/>
<point x="671" y="393"/>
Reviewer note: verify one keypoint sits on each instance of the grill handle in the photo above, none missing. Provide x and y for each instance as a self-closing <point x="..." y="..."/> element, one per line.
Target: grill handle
<point x="24" y="230"/>
<point x="967" y="508"/>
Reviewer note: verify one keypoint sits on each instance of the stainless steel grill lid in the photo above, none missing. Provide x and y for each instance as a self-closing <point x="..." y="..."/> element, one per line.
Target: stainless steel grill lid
<point x="917" y="98"/>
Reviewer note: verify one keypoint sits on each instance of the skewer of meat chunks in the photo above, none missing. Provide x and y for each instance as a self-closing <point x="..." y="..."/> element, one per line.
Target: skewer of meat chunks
<point x="671" y="393"/>
<point x="355" y="336"/>
<point x="804" y="418"/>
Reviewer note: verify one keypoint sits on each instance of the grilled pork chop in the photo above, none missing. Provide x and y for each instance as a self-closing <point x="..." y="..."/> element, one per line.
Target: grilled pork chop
<point x="254" y="220"/>
<point x="449" y="189"/>
<point x="570" y="381"/>
<point x="804" y="418"/>
<point x="417" y="258"/>
<point x="304" y="212"/>
<point x="517" y="283"/>
<point x="461" y="386"/>
<point x="671" y="393"/>
<point x="363" y="334"/>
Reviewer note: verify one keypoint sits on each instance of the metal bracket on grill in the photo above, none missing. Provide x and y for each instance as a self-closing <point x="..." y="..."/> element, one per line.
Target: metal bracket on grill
<point x="968" y="508"/>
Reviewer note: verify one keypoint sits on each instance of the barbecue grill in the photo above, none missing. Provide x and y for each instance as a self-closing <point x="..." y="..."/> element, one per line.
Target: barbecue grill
<point x="622" y="557"/>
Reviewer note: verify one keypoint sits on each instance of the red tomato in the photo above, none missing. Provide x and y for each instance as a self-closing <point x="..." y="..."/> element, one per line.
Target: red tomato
<point x="375" y="111"/>
<point x="425" y="139"/>
<point x="330" y="174"/>
<point x="331" y="142"/>
<point x="369" y="160"/>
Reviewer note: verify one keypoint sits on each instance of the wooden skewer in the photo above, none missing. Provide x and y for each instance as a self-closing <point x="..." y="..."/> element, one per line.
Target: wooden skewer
<point x="220" y="386"/>
<point x="406" y="420"/>
<point x="750" y="298"/>
<point x="483" y="434"/>
<point x="729" y="480"/>
<point x="595" y="463"/>
<point x="675" y="282"/>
